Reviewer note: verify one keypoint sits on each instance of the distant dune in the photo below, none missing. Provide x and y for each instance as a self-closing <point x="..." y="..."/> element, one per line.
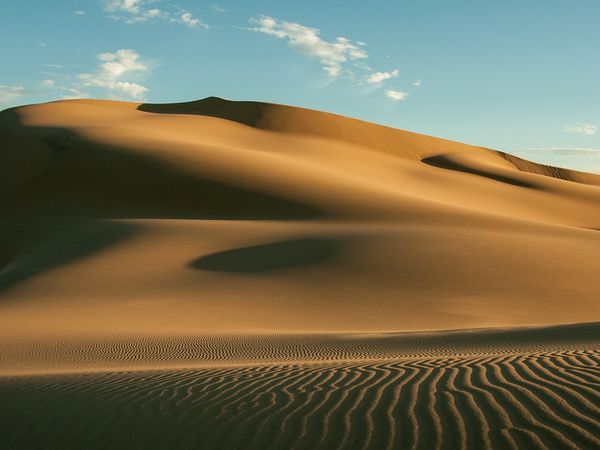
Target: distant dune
<point x="252" y="258"/>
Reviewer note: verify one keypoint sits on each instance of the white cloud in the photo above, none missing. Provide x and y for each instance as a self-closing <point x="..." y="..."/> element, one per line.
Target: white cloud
<point x="48" y="83"/>
<point x="133" y="11"/>
<point x="54" y="66"/>
<point x="396" y="96"/>
<point x="378" y="77"/>
<point x="130" y="6"/>
<point x="189" y="20"/>
<point x="218" y="9"/>
<point x="9" y="94"/>
<point x="417" y="83"/>
<point x="73" y="92"/>
<point x="111" y="71"/>
<point x="137" y="11"/>
<point x="587" y="129"/>
<point x="186" y="18"/>
<point x="561" y="150"/>
<point x="332" y="55"/>
<point x="79" y="13"/>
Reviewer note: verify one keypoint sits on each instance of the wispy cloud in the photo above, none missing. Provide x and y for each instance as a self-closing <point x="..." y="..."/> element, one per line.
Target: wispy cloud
<point x="396" y="96"/>
<point x="139" y="11"/>
<point x="417" y="83"/>
<point x="333" y="55"/>
<point x="18" y="94"/>
<point x="340" y="57"/>
<point x="378" y="77"/>
<point x="133" y="7"/>
<point x="218" y="9"/>
<point x="114" y="74"/>
<point x="565" y="151"/>
<point x="186" y="18"/>
<point x="587" y="129"/>
<point x="10" y="94"/>
<point x="132" y="11"/>
<point x="79" y="13"/>
<point x="71" y="92"/>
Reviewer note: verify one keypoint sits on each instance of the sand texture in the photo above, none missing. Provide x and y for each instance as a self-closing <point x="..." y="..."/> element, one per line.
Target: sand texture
<point x="221" y="274"/>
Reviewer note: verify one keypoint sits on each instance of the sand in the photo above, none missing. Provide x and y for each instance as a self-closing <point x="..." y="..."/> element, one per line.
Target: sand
<point x="247" y="275"/>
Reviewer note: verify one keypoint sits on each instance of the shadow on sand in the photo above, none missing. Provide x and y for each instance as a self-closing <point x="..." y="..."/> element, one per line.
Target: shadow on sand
<point x="268" y="257"/>
<point x="69" y="207"/>
<point x="443" y="162"/>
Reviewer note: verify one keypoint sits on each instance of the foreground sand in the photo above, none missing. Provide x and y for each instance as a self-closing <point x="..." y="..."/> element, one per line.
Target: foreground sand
<point x="244" y="275"/>
<point x="480" y="389"/>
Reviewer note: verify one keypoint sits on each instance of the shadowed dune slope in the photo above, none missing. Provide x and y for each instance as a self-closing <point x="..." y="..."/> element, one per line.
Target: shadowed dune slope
<point x="218" y="216"/>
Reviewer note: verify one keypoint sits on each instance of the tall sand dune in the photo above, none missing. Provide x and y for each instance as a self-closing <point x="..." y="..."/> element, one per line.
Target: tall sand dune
<point x="249" y="266"/>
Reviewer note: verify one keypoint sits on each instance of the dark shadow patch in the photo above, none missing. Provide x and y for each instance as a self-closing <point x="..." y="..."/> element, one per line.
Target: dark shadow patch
<point x="269" y="257"/>
<point x="246" y="113"/>
<point x="30" y="249"/>
<point x="444" y="163"/>
<point x="88" y="180"/>
<point x="57" y="201"/>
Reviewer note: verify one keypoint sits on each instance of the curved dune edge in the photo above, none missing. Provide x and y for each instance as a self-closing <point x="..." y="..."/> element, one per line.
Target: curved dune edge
<point x="295" y="120"/>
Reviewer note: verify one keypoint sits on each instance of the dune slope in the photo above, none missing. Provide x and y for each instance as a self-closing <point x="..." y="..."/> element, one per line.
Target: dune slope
<point x="127" y="218"/>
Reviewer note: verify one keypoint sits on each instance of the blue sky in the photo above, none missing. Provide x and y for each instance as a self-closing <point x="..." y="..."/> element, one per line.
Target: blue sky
<point x="520" y="76"/>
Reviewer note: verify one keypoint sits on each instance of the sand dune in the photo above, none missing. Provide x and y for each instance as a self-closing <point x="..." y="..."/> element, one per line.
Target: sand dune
<point x="219" y="264"/>
<point x="115" y="211"/>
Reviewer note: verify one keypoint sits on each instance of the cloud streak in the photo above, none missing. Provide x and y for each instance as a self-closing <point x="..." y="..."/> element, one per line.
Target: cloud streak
<point x="10" y="94"/>
<point x="587" y="129"/>
<point x="396" y="96"/>
<point x="138" y="11"/>
<point x="333" y="55"/>
<point x="186" y="18"/>
<point x="339" y="58"/>
<point x="113" y="74"/>
<point x="565" y="151"/>
<point x="379" y="77"/>
<point x="131" y="11"/>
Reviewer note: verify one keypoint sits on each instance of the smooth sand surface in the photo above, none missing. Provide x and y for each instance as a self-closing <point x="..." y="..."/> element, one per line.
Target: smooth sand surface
<point x="238" y="265"/>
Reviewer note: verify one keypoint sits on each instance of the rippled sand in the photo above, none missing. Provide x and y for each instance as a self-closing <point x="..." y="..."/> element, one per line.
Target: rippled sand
<point x="521" y="388"/>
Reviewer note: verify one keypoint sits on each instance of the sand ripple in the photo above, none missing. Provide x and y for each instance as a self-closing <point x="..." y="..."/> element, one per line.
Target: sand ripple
<point x="491" y="395"/>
